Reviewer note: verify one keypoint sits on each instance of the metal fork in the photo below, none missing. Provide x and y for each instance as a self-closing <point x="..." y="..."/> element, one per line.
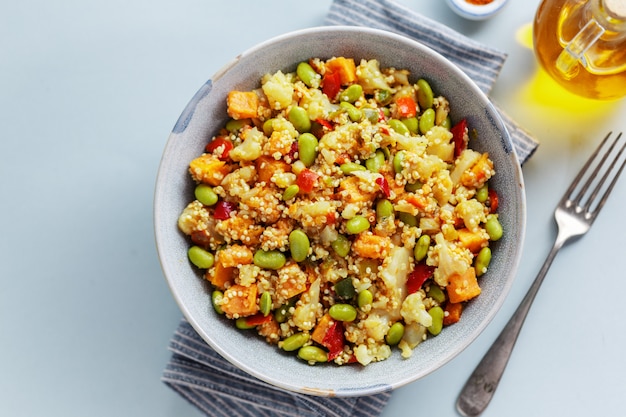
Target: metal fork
<point x="574" y="216"/>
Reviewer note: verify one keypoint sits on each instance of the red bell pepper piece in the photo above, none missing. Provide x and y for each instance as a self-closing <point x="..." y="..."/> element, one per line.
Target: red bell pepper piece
<point x="418" y="276"/>
<point x="331" y="84"/>
<point x="306" y="180"/>
<point x="223" y="210"/>
<point x="221" y="143"/>
<point x="383" y="184"/>
<point x="494" y="201"/>
<point x="258" y="319"/>
<point x="406" y="107"/>
<point x="334" y="340"/>
<point x="458" y="135"/>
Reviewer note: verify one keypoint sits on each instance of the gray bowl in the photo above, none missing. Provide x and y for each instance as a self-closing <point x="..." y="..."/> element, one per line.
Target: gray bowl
<point x="206" y="113"/>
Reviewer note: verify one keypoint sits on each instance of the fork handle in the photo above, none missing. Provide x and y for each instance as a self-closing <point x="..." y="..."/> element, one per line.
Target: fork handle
<point x="482" y="383"/>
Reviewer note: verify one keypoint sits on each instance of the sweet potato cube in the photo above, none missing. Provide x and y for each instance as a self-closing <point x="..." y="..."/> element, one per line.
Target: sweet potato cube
<point x="322" y="328"/>
<point x="463" y="287"/>
<point x="345" y="67"/>
<point x="242" y="104"/>
<point x="472" y="241"/>
<point x="369" y="245"/>
<point x="208" y="169"/>
<point x="219" y="275"/>
<point x="453" y="315"/>
<point x="266" y="167"/>
<point x="234" y="255"/>
<point x="240" y="301"/>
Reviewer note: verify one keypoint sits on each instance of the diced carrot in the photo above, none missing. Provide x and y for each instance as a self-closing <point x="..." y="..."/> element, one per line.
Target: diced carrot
<point x="219" y="275"/>
<point x="266" y="167"/>
<point x="240" y="300"/>
<point x="322" y="327"/>
<point x="208" y="169"/>
<point x="242" y="104"/>
<point x="463" y="287"/>
<point x="345" y="67"/>
<point x="470" y="240"/>
<point x="453" y="315"/>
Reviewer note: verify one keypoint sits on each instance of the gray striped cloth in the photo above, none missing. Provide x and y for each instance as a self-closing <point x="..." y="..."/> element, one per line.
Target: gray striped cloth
<point x="218" y="388"/>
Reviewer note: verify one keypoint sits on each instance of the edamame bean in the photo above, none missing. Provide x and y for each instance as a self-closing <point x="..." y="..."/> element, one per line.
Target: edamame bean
<point x="283" y="312"/>
<point x="268" y="127"/>
<point x="295" y="342"/>
<point x="272" y="259"/>
<point x="307" y="74"/>
<point x="493" y="227"/>
<point x="265" y="303"/>
<point x="344" y="289"/>
<point x="398" y="158"/>
<point x="242" y="324"/>
<point x="312" y="354"/>
<point x="353" y="113"/>
<point x="408" y="219"/>
<point x="437" y="315"/>
<point x="436" y="293"/>
<point x="342" y="312"/>
<point x="421" y="247"/>
<point x="200" y="257"/>
<point x="383" y="97"/>
<point x="349" y="167"/>
<point x="384" y="209"/>
<point x="395" y="333"/>
<point x="299" y="118"/>
<point x="352" y="93"/>
<point x="399" y="127"/>
<point x="447" y="123"/>
<point x="235" y="125"/>
<point x="425" y="94"/>
<point x="364" y="298"/>
<point x="482" y="261"/>
<point x="412" y="187"/>
<point x="216" y="300"/>
<point x="307" y="149"/>
<point x="357" y="224"/>
<point x="427" y="121"/>
<point x="371" y="114"/>
<point x="290" y="192"/>
<point x="341" y="246"/>
<point x="205" y="195"/>
<point x="412" y="124"/>
<point x="299" y="245"/>
<point x="376" y="162"/>
<point x="482" y="194"/>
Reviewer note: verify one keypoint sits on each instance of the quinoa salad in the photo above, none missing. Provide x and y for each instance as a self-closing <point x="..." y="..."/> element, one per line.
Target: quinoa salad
<point x="340" y="213"/>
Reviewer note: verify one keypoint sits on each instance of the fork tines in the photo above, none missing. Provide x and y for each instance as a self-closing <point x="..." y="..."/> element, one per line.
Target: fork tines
<point x="606" y="163"/>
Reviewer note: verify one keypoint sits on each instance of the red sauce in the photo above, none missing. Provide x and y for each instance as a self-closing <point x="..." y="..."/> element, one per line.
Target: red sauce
<point x="479" y="2"/>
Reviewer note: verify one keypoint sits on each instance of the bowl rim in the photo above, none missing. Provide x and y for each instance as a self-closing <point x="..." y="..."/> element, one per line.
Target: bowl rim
<point x="476" y="11"/>
<point x="185" y="117"/>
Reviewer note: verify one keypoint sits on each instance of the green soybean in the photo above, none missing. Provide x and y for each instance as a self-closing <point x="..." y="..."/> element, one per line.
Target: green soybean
<point x="216" y="300"/>
<point x="411" y="123"/>
<point x="341" y="246"/>
<point x="483" y="259"/>
<point x="350" y="167"/>
<point x="353" y="113"/>
<point x="295" y="342"/>
<point x="383" y="97"/>
<point x="437" y="324"/>
<point x="345" y="289"/>
<point x="399" y="127"/>
<point x="290" y="192"/>
<point x="265" y="303"/>
<point x="408" y="219"/>
<point x="313" y="354"/>
<point x="352" y="93"/>
<point x="272" y="259"/>
<point x="376" y="162"/>
<point x="414" y="186"/>
<point x="268" y="127"/>
<point x="421" y="247"/>
<point x="427" y="121"/>
<point x="307" y="74"/>
<point x="307" y="149"/>
<point x="436" y="293"/>
<point x="235" y="125"/>
<point x="447" y="123"/>
<point x="299" y="118"/>
<point x="384" y="209"/>
<point x="425" y="94"/>
<point x="200" y="257"/>
<point x="371" y="114"/>
<point x="205" y="195"/>
<point x="398" y="158"/>
<point x="283" y="312"/>
<point x="342" y="312"/>
<point x="299" y="245"/>
<point x="364" y="298"/>
<point x="357" y="224"/>
<point x="493" y="227"/>
<point x="395" y="333"/>
<point x="482" y="194"/>
<point x="242" y="324"/>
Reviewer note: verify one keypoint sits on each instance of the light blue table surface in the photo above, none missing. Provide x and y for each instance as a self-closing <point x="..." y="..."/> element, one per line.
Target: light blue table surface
<point x="89" y="92"/>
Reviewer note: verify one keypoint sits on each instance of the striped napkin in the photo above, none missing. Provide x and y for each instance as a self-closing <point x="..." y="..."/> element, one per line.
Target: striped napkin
<point x="218" y="388"/>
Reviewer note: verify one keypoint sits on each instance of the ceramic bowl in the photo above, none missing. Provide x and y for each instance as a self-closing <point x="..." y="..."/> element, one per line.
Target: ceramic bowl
<point x="473" y="11"/>
<point x="201" y="120"/>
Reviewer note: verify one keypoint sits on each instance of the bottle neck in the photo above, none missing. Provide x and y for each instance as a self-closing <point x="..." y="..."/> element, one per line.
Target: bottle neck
<point x="611" y="15"/>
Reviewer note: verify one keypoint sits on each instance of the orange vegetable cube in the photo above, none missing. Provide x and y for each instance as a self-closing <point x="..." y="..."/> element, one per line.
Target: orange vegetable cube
<point x="219" y="275"/>
<point x="453" y="315"/>
<point x="242" y="104"/>
<point x="266" y="167"/>
<point x="322" y="328"/>
<point x="463" y="287"/>
<point x="369" y="245"/>
<point x="239" y="300"/>
<point x="235" y="255"/>
<point x="345" y="67"/>
<point x="208" y="169"/>
<point x="472" y="241"/>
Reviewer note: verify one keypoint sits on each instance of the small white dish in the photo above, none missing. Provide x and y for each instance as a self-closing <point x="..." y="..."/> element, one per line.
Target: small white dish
<point x="473" y="11"/>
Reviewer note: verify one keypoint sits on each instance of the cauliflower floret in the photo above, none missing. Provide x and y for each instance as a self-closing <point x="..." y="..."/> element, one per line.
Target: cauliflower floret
<point x="317" y="104"/>
<point x="465" y="161"/>
<point x="377" y="325"/>
<point x="448" y="258"/>
<point x="414" y="334"/>
<point x="371" y="353"/>
<point x="308" y="308"/>
<point x="194" y="217"/>
<point x="250" y="148"/>
<point x="472" y="212"/>
<point x="394" y="273"/>
<point x="370" y="77"/>
<point x="440" y="143"/>
<point x="414" y="311"/>
<point x="278" y="89"/>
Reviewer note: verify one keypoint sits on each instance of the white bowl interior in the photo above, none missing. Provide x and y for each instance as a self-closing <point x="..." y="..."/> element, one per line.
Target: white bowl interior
<point x="206" y="113"/>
